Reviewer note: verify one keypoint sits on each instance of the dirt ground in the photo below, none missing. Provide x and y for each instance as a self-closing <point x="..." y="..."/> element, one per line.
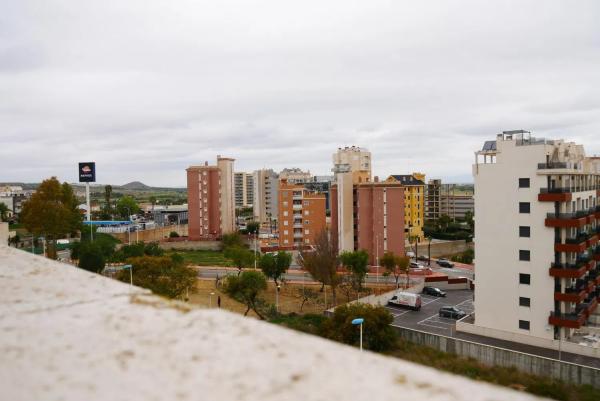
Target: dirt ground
<point x="290" y="297"/>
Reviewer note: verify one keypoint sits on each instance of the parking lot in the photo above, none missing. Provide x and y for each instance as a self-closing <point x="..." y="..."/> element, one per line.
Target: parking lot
<point x="428" y="319"/>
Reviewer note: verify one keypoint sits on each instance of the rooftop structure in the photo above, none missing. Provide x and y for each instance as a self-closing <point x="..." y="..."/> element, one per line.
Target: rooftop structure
<point x="73" y="335"/>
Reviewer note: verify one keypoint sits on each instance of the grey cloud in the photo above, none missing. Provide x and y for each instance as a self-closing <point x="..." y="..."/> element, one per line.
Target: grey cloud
<point x="145" y="89"/>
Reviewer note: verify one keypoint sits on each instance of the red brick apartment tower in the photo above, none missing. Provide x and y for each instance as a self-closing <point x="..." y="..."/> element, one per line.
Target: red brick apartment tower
<point x="210" y="200"/>
<point x="379" y="219"/>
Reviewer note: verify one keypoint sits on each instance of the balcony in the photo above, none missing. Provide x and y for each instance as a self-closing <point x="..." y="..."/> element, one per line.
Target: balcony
<point x="596" y="253"/>
<point x="297" y="206"/>
<point x="570" y="320"/>
<point x="297" y="225"/>
<point x="555" y="195"/>
<point x="576" y="244"/>
<point x="553" y="166"/>
<point x="572" y="294"/>
<point x="566" y="270"/>
<point x="565" y="220"/>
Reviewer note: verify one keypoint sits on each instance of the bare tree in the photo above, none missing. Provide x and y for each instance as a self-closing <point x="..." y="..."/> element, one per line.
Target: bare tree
<point x="323" y="261"/>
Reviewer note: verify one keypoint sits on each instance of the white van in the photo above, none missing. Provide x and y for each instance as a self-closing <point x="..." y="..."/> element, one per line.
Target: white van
<point x="406" y="299"/>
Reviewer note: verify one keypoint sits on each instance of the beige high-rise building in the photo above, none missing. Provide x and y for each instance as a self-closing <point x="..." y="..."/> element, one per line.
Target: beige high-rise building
<point x="266" y="187"/>
<point x="359" y="160"/>
<point x="295" y="175"/>
<point x="536" y="234"/>
<point x="244" y="189"/>
<point x="351" y="166"/>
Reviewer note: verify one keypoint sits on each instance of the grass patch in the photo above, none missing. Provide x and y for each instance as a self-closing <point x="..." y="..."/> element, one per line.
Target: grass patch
<point x="204" y="258"/>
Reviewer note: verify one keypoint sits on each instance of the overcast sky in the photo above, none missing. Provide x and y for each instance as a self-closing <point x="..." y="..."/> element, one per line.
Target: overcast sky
<point x="147" y="88"/>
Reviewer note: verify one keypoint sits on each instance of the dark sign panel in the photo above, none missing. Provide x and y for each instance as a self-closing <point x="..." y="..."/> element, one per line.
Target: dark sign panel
<point x="87" y="172"/>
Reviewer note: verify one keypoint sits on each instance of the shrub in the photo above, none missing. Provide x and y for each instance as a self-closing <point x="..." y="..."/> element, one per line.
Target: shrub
<point x="173" y="234"/>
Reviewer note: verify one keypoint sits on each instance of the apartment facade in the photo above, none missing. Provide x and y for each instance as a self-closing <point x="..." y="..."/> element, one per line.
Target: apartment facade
<point x="536" y="237"/>
<point x="244" y="189"/>
<point x="266" y="190"/>
<point x="357" y="160"/>
<point x="414" y="203"/>
<point x="447" y="199"/>
<point x="301" y="215"/>
<point x="211" y="204"/>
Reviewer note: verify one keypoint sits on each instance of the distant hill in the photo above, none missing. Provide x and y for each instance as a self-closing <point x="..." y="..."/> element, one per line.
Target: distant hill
<point x="136" y="186"/>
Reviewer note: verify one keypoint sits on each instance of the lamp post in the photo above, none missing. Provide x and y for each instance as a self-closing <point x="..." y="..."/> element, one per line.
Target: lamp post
<point x="129" y="225"/>
<point x="277" y="297"/>
<point x="429" y="252"/>
<point x="210" y="299"/>
<point x="377" y="257"/>
<point x="359" y="322"/>
<point x="130" y="267"/>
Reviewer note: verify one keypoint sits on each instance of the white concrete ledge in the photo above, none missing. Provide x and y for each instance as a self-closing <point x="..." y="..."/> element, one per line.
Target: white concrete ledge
<point x="66" y="334"/>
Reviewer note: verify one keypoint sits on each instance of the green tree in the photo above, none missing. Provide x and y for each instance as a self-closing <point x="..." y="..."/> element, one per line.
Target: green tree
<point x="241" y="257"/>
<point x="163" y="275"/>
<point x="443" y="222"/>
<point x="152" y="200"/>
<point x="274" y="266"/>
<point x="356" y="262"/>
<point x="52" y="212"/>
<point x="322" y="262"/>
<point x="91" y="257"/>
<point x="395" y="265"/>
<point x="247" y="288"/>
<point x="378" y="335"/>
<point x="3" y="212"/>
<point x="232" y="240"/>
<point x="253" y="227"/>
<point x="127" y="206"/>
<point x="470" y="220"/>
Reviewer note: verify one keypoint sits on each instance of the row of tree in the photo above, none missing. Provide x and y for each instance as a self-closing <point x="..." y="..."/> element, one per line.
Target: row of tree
<point x="326" y="265"/>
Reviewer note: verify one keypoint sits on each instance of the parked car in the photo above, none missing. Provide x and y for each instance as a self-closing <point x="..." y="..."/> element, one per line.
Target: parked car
<point x="423" y="258"/>
<point x="416" y="265"/>
<point x="406" y="299"/>
<point x="444" y="263"/>
<point x="452" y="312"/>
<point x="433" y="291"/>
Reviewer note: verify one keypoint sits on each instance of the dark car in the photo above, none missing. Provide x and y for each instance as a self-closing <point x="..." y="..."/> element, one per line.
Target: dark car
<point x="423" y="258"/>
<point x="444" y="263"/>
<point x="452" y="312"/>
<point x="433" y="291"/>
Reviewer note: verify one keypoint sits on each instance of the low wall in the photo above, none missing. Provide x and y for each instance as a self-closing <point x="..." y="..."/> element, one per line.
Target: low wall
<point x="442" y="248"/>
<point x="151" y="235"/>
<point x="193" y="245"/>
<point x="565" y="346"/>
<point x="448" y="283"/>
<point x="495" y="356"/>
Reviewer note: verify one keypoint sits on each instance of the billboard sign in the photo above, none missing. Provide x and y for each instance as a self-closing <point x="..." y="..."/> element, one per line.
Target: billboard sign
<point x="87" y="172"/>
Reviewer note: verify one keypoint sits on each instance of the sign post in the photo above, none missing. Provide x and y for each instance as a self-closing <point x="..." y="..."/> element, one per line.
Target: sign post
<point x="87" y="174"/>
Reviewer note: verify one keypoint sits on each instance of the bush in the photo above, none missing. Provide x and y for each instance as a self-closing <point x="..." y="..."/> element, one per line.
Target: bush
<point x="378" y="335"/>
<point x="173" y="234"/>
<point x="91" y="257"/>
<point x="137" y="250"/>
<point x="163" y="275"/>
<point x="464" y="257"/>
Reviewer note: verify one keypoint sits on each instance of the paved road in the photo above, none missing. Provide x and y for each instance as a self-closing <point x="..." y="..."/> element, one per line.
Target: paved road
<point x="428" y="320"/>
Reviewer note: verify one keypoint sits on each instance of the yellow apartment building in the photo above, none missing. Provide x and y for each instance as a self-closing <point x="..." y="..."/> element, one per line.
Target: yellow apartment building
<point x="414" y="203"/>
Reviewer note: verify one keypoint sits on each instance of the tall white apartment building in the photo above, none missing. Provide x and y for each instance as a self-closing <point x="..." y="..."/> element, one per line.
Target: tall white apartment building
<point x="351" y="166"/>
<point x="244" y="189"/>
<point x="536" y="237"/>
<point x="295" y="175"/>
<point x="266" y="189"/>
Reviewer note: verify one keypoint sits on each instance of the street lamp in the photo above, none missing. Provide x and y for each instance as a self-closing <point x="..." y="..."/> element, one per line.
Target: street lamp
<point x="129" y="226"/>
<point x="130" y="267"/>
<point x="429" y="252"/>
<point x="277" y="297"/>
<point x="210" y="299"/>
<point x="377" y="257"/>
<point x="359" y="322"/>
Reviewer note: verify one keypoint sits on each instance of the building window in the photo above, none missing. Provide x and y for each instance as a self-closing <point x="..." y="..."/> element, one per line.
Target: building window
<point x="285" y="222"/>
<point x="306" y="213"/>
<point x="524" y="301"/>
<point x="285" y="213"/>
<point x="524" y="231"/>
<point x="524" y="278"/>
<point x="524" y="324"/>
<point x="523" y="182"/>
<point x="285" y="203"/>
<point x="524" y="207"/>
<point x="306" y="203"/>
<point x="524" y="255"/>
<point x="306" y="222"/>
<point x="285" y="232"/>
<point x="307" y="231"/>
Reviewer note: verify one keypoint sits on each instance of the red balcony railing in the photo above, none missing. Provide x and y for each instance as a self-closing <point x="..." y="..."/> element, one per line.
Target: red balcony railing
<point x="571" y="320"/>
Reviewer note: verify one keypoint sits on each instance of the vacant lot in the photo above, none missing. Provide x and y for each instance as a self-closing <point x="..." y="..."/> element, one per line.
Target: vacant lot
<point x="205" y="258"/>
<point x="290" y="297"/>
